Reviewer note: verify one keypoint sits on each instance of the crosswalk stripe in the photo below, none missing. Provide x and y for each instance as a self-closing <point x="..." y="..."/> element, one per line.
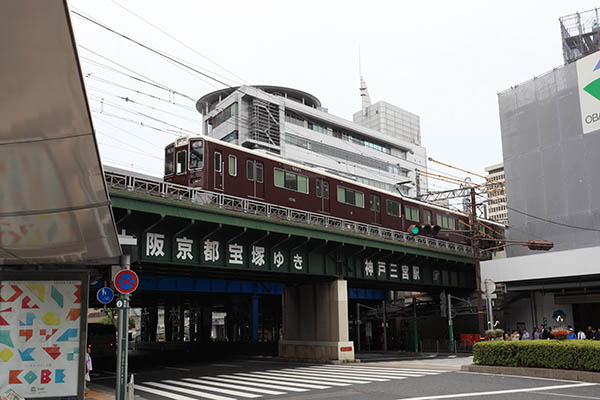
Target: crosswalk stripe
<point x="419" y="370"/>
<point x="215" y="389"/>
<point x="302" y="378"/>
<point x="350" y="374"/>
<point x="173" y="396"/>
<point x="230" y="386"/>
<point x="320" y="376"/>
<point x="379" y="370"/>
<point x="261" y="385"/>
<point x="366" y="374"/>
<point x="264" y="383"/>
<point x="259" y="378"/>
<point x="188" y="391"/>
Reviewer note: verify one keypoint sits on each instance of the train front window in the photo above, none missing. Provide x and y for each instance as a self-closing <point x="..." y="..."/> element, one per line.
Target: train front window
<point x="196" y="154"/>
<point x="180" y="167"/>
<point x="169" y="165"/>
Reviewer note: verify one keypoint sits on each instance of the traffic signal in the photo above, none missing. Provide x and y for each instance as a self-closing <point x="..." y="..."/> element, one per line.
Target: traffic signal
<point x="424" y="229"/>
<point x="539" y="245"/>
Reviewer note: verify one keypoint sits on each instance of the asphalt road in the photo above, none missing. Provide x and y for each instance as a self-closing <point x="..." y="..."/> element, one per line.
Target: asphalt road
<point x="269" y="379"/>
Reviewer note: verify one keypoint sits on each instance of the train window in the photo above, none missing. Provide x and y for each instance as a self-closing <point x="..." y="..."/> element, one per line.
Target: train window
<point x="250" y="170"/>
<point x="181" y="155"/>
<point x="169" y="153"/>
<point x="290" y="180"/>
<point x="349" y="196"/>
<point x="259" y="172"/>
<point x="232" y="165"/>
<point x="412" y="213"/>
<point x="322" y="189"/>
<point x="427" y="217"/>
<point x="218" y="162"/>
<point x="196" y="154"/>
<point x="445" y="221"/>
<point x="392" y="207"/>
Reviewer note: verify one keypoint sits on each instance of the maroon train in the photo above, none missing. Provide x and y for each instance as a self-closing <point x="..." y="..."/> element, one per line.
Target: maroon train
<point x="218" y="166"/>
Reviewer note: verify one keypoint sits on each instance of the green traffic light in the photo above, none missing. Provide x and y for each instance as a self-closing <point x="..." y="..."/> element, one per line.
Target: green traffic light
<point x="415" y="230"/>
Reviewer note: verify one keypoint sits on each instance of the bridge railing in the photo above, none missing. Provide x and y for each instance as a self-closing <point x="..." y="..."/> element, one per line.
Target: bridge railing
<point x="256" y="207"/>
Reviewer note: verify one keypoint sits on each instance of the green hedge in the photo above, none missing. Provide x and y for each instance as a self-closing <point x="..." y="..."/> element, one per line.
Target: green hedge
<point x="581" y="355"/>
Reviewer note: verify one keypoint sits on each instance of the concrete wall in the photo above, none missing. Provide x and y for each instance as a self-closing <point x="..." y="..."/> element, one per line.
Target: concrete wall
<point x="520" y="312"/>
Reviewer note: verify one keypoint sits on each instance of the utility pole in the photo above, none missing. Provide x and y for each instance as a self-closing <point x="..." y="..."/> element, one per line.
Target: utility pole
<point x="476" y="259"/>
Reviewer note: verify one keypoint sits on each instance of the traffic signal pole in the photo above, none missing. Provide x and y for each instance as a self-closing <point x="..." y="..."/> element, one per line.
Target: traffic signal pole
<point x="477" y="260"/>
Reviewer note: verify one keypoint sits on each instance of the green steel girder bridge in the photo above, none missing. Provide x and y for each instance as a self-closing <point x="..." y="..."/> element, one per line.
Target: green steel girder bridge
<point x="189" y="231"/>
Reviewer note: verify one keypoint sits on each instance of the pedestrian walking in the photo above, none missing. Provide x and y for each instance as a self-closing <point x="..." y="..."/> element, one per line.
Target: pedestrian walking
<point x="88" y="366"/>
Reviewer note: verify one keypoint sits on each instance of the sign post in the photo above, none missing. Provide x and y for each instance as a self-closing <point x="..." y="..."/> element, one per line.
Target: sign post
<point x="125" y="281"/>
<point x="450" y="324"/>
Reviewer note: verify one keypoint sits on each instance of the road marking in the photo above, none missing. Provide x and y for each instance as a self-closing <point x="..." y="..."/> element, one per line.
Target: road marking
<point x="292" y="388"/>
<point x="320" y="376"/>
<point x="212" y="388"/>
<point x="231" y="386"/>
<point x="370" y="378"/>
<point x="302" y="378"/>
<point x="537" y="389"/>
<point x="267" y="379"/>
<point x="226" y="365"/>
<point x="169" y="395"/>
<point x="187" y="391"/>
<point x="178" y="369"/>
<point x="569" y="395"/>
<point x="390" y="370"/>
<point x="364" y="374"/>
<point x="236" y="380"/>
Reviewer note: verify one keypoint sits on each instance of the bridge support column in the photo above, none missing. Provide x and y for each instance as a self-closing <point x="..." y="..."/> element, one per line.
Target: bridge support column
<point x="255" y="299"/>
<point x="315" y="322"/>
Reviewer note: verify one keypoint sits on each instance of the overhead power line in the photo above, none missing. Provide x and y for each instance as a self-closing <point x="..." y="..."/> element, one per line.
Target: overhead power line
<point x="155" y="51"/>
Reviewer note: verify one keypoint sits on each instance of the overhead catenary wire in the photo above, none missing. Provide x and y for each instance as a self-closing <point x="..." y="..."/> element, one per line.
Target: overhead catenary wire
<point x="180" y="42"/>
<point x="155" y="51"/>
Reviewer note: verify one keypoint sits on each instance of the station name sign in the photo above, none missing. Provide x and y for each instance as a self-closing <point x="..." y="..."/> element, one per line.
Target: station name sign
<point x="238" y="254"/>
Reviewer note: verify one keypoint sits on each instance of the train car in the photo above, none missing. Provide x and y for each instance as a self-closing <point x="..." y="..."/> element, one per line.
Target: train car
<point x="214" y="165"/>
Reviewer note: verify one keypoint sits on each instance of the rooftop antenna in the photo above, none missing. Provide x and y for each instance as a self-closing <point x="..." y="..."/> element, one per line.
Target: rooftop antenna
<point x="364" y="92"/>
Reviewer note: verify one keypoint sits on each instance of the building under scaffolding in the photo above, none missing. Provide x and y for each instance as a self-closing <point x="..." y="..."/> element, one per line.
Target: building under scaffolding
<point x="580" y="34"/>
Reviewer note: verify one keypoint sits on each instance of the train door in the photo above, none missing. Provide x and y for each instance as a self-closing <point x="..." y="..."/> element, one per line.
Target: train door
<point x="323" y="194"/>
<point x="218" y="171"/>
<point x="375" y="202"/>
<point x="255" y="174"/>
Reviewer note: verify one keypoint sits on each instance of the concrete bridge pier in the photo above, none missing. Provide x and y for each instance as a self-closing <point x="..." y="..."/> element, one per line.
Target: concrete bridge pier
<point x="315" y="322"/>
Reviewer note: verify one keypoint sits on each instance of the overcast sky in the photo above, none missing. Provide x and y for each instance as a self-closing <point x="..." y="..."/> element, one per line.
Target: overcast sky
<point x="445" y="63"/>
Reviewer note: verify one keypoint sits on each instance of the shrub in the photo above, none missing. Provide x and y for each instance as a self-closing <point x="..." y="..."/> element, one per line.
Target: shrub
<point x="569" y="354"/>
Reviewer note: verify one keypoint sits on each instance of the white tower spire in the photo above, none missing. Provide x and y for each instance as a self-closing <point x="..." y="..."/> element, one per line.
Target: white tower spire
<point x="364" y="92"/>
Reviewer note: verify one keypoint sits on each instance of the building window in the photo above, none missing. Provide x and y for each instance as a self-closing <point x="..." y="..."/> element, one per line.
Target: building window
<point x="294" y="119"/>
<point x="169" y="165"/>
<point x="316" y="127"/>
<point x="322" y="189"/>
<point x="196" y="154"/>
<point x="232" y="165"/>
<point x="290" y="180"/>
<point x="181" y="156"/>
<point x="393" y="208"/>
<point x="412" y="213"/>
<point x="349" y="196"/>
<point x="427" y="217"/>
<point x="445" y="221"/>
<point x="224" y="115"/>
<point x="232" y="137"/>
<point x="402" y="154"/>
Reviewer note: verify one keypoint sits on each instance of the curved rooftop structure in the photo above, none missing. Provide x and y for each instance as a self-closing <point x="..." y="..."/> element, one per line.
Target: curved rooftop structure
<point x="207" y="102"/>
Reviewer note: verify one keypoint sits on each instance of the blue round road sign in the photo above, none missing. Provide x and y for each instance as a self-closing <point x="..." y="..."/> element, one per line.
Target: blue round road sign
<point x="105" y="295"/>
<point x="126" y="281"/>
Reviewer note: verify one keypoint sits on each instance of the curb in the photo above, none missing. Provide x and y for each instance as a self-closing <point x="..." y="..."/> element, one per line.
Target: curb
<point x="563" y="374"/>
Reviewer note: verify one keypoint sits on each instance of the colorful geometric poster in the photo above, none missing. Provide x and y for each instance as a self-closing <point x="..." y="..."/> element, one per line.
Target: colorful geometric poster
<point x="40" y="337"/>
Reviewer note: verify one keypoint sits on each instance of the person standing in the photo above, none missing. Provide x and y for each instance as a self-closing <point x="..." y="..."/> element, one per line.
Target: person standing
<point x="536" y="334"/>
<point x="581" y="335"/>
<point x="525" y="335"/>
<point x="88" y="366"/>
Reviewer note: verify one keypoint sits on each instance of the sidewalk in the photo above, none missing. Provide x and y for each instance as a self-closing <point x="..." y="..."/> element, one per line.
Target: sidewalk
<point x="451" y="362"/>
<point x="94" y="393"/>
